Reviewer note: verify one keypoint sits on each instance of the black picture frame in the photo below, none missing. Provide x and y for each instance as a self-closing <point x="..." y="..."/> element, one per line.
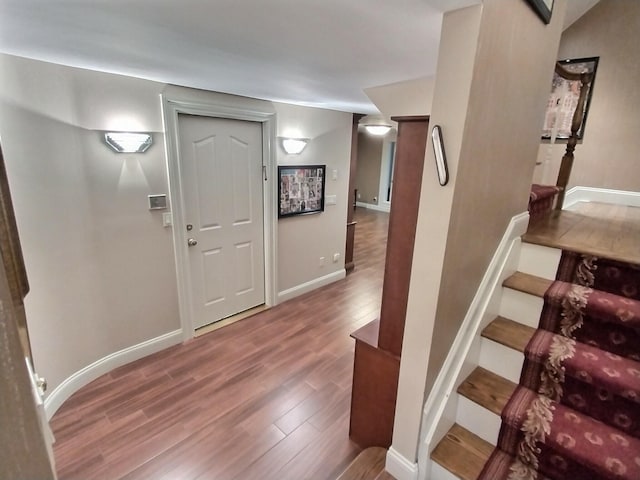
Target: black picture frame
<point x="543" y="8"/>
<point x="564" y="113"/>
<point x="300" y="189"/>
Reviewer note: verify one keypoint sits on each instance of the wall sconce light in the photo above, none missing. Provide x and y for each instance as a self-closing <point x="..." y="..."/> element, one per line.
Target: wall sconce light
<point x="293" y="146"/>
<point x="127" y="142"/>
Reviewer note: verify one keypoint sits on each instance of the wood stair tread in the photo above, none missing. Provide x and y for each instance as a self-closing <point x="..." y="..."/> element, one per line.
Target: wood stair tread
<point x="509" y="333"/>
<point x="462" y="453"/>
<point x="368" y="465"/>
<point x="487" y="389"/>
<point x="524" y="282"/>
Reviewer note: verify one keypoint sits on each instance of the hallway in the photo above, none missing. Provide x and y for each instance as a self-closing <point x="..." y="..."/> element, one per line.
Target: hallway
<point x="267" y="397"/>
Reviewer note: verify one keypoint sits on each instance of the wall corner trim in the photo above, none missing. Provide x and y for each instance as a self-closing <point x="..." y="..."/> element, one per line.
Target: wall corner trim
<point x="400" y="467"/>
<point x="602" y="195"/>
<point x="446" y="381"/>
<point x="114" y="360"/>
<point x="306" y="287"/>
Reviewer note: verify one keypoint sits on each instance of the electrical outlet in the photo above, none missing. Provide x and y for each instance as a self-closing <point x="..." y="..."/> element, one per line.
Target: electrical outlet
<point x="336" y="257"/>
<point x="321" y="262"/>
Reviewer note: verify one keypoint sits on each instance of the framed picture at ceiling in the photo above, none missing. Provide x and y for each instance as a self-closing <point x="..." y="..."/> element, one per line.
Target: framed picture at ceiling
<point x="300" y="190"/>
<point x="564" y="99"/>
<point x="543" y="8"/>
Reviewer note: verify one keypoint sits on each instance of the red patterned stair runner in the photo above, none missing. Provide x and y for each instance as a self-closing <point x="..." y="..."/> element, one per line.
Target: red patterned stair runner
<point x="576" y="413"/>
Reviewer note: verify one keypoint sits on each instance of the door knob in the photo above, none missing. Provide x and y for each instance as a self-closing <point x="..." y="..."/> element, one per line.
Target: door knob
<point x="192" y="242"/>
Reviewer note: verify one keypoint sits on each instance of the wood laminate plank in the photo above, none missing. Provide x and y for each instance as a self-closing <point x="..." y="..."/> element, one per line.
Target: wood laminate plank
<point x="384" y="475"/>
<point x="211" y="407"/>
<point x="462" y="453"/>
<point x="509" y="333"/>
<point x="367" y="465"/>
<point x="527" y="283"/>
<point x="487" y="389"/>
<point x="599" y="229"/>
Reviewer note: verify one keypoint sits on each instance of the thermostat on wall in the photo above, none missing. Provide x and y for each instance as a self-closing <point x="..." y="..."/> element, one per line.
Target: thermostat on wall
<point x="157" y="202"/>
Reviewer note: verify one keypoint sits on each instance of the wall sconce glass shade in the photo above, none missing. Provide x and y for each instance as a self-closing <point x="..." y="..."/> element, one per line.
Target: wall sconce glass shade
<point x="126" y="142"/>
<point x="294" y="146"/>
<point x="378" y="129"/>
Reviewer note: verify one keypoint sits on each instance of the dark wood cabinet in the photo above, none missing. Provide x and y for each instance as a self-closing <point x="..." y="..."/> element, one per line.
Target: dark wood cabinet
<point x="379" y="343"/>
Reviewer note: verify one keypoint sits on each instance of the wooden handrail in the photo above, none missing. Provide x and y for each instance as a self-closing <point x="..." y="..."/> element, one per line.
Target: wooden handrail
<point x="578" y="116"/>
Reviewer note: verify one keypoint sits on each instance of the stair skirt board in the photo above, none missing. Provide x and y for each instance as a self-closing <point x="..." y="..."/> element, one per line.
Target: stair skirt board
<point x="440" y="407"/>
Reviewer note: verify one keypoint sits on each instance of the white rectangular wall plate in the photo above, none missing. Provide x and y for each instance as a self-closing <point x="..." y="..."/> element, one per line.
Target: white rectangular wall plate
<point x="158" y="202"/>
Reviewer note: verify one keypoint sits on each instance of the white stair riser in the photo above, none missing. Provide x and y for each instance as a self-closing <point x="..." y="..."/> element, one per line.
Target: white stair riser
<point x="539" y="260"/>
<point x="500" y="359"/>
<point x="521" y="307"/>
<point x="438" y="472"/>
<point x="478" y="420"/>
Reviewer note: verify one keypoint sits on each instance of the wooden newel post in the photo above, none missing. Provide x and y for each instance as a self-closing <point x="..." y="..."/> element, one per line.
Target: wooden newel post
<point x="578" y="117"/>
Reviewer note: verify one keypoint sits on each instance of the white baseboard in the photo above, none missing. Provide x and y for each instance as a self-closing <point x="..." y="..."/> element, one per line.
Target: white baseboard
<point x="603" y="195"/>
<point x="293" y="292"/>
<point x="89" y="373"/>
<point x="400" y="467"/>
<point x="445" y="383"/>
<point x="372" y="206"/>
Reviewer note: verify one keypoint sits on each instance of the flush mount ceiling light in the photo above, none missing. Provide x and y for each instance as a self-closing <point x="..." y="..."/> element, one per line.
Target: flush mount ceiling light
<point x="376" y="125"/>
<point x="294" y="146"/>
<point x="127" y="142"/>
<point x="378" y="129"/>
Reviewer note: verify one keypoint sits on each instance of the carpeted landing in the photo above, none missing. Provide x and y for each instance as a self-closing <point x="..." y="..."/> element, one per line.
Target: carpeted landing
<point x="576" y="412"/>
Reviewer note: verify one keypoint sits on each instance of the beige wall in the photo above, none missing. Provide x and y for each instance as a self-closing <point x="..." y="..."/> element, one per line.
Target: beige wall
<point x="608" y="155"/>
<point x="303" y="240"/>
<point x="492" y="81"/>
<point x="368" y="168"/>
<point x="24" y="452"/>
<point x="411" y="97"/>
<point x="100" y="264"/>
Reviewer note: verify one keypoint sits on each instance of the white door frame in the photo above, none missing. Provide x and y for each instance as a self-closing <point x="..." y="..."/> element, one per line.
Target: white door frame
<point x="171" y="108"/>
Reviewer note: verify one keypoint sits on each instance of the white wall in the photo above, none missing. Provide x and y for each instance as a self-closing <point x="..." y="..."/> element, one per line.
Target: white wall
<point x="100" y="264"/>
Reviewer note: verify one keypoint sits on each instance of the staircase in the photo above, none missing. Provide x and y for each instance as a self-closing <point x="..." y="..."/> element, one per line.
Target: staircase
<point x="575" y="411"/>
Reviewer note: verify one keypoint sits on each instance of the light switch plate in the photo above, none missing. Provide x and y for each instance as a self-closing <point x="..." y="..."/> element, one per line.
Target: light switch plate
<point x="330" y="199"/>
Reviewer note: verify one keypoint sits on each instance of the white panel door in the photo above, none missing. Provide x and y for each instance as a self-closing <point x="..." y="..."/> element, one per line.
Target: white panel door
<point x="221" y="166"/>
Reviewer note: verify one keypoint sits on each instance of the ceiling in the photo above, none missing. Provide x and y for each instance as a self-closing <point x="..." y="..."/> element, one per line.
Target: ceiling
<point x="311" y="52"/>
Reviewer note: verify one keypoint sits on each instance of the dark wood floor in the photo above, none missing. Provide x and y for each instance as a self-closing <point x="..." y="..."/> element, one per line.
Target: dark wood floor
<point x="265" y="398"/>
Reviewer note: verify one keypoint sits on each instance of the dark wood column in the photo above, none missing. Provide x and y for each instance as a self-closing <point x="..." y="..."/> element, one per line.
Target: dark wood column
<point x="379" y="343"/>
<point x="351" y="225"/>
<point x="407" y="180"/>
